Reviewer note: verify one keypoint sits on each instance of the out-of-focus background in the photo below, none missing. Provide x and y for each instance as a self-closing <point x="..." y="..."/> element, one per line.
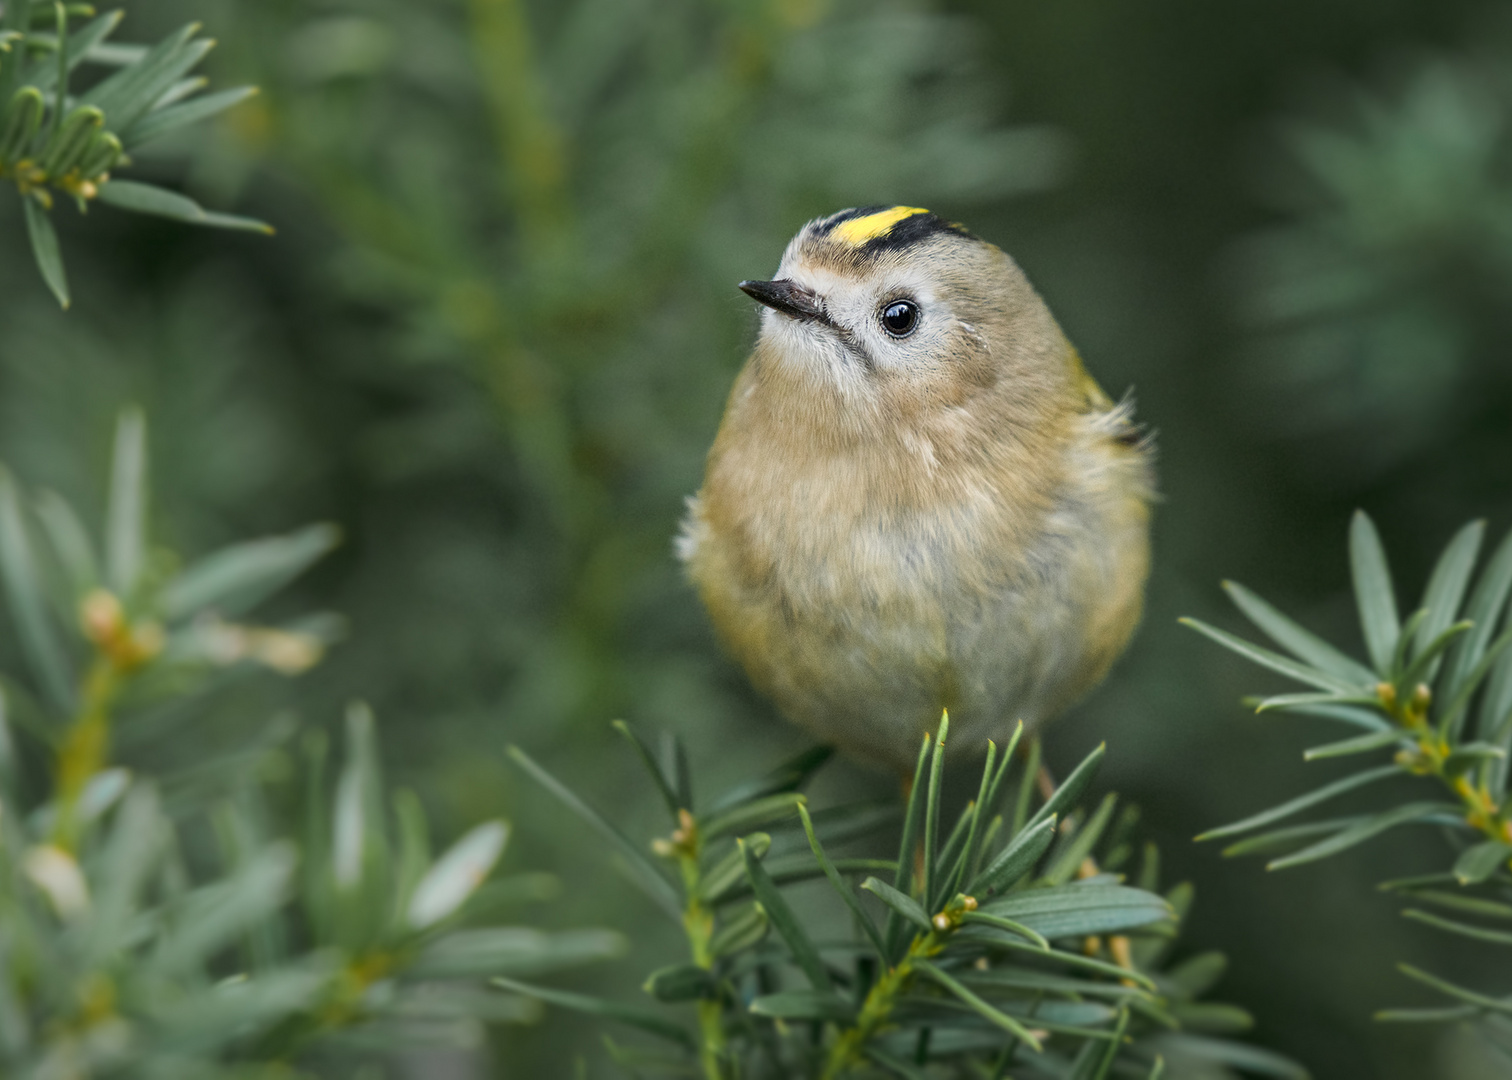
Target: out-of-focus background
<point x="494" y="332"/>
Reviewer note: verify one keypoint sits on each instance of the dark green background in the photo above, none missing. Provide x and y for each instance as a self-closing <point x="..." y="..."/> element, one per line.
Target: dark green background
<point x="492" y="338"/>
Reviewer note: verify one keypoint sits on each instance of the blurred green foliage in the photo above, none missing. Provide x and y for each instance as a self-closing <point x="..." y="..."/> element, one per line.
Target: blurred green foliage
<point x="492" y="338"/>
<point x="173" y="902"/>
<point x="1381" y="300"/>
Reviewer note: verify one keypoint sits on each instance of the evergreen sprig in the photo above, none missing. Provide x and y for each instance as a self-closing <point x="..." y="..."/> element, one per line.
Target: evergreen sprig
<point x="1436" y="694"/>
<point x="53" y="141"/>
<point x="997" y="944"/>
<point x="128" y="950"/>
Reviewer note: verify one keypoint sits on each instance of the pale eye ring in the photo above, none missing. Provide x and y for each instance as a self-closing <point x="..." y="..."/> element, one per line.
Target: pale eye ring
<point x="899" y="317"/>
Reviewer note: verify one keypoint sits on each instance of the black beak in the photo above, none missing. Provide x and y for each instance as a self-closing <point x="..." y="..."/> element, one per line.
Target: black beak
<point x="788" y="297"/>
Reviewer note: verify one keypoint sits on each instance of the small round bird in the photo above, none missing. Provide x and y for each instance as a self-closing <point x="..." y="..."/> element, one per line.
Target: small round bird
<point x="918" y="499"/>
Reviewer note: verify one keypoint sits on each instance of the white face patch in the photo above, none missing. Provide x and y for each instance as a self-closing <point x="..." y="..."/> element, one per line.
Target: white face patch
<point x="812" y="346"/>
<point x="856" y="307"/>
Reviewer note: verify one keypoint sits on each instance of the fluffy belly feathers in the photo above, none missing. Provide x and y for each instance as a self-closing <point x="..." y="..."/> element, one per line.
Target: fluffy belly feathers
<point x="864" y="631"/>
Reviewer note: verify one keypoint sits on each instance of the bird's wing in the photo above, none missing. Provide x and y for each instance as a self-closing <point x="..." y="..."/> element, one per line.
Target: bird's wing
<point x="1116" y="419"/>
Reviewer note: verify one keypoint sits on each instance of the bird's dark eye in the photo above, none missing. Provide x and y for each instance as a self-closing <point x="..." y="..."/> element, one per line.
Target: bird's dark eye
<point x="900" y="317"/>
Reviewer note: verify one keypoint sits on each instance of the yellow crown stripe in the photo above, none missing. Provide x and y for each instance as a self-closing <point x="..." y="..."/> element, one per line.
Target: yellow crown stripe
<point x="858" y="231"/>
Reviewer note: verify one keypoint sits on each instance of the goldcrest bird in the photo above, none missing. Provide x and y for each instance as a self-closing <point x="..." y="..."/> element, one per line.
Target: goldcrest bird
<point x="918" y="499"/>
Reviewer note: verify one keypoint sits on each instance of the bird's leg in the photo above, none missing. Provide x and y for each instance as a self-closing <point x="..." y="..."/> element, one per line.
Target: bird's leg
<point x="1045" y="782"/>
<point x="1118" y="945"/>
